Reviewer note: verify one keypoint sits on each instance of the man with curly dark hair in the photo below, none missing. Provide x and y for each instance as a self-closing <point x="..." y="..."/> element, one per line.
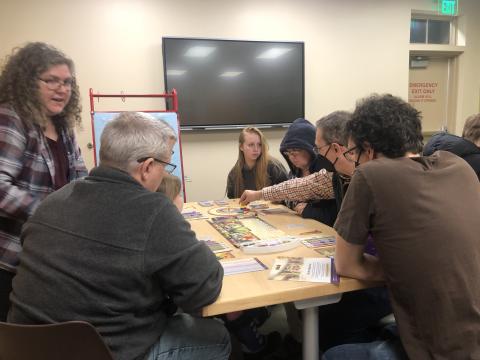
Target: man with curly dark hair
<point x="422" y="213"/>
<point x="39" y="107"/>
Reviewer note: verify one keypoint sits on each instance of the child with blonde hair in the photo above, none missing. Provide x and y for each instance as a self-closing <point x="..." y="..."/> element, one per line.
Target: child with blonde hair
<point x="171" y="186"/>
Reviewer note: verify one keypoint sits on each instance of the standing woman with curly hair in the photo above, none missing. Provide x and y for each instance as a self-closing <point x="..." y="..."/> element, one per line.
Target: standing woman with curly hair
<point x="255" y="168"/>
<point x="39" y="107"/>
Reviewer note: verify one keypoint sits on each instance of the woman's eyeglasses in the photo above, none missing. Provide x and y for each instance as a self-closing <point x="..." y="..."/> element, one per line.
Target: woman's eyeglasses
<point x="55" y="84"/>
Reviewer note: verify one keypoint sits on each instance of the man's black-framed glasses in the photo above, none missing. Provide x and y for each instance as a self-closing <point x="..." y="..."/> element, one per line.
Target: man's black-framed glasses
<point x="350" y="155"/>
<point x="168" y="166"/>
<point x="317" y="149"/>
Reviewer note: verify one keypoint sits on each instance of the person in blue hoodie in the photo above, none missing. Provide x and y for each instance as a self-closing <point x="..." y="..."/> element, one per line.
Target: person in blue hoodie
<point x="467" y="146"/>
<point x="297" y="149"/>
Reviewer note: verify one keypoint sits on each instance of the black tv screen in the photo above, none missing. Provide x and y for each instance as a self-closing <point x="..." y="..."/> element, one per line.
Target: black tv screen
<point x="228" y="83"/>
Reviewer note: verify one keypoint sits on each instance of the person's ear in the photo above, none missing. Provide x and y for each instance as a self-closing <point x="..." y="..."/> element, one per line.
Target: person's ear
<point x="337" y="148"/>
<point x="146" y="168"/>
<point x="371" y="154"/>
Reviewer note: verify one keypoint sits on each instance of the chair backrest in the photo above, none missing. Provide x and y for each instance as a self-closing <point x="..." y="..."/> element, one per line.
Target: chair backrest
<point x="74" y="340"/>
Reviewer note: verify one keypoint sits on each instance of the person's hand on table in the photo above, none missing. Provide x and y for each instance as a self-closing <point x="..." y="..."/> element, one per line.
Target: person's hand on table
<point x="300" y="207"/>
<point x="250" y="195"/>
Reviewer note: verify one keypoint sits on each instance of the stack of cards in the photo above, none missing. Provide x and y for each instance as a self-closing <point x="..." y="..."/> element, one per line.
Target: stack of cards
<point x="258" y="206"/>
<point x="274" y="211"/>
<point x="206" y="203"/>
<point x="216" y="246"/>
<point x="220" y="250"/>
<point x="242" y="266"/>
<point x="193" y="214"/>
<point x="318" y="241"/>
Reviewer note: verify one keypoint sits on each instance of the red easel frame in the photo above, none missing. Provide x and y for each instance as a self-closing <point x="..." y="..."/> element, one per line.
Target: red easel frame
<point x="173" y="95"/>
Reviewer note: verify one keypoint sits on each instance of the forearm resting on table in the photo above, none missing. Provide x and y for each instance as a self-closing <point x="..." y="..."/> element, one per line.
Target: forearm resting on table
<point x="351" y="261"/>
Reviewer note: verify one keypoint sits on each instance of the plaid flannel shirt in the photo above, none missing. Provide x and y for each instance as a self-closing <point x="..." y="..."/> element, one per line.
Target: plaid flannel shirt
<point x="26" y="177"/>
<point x="312" y="187"/>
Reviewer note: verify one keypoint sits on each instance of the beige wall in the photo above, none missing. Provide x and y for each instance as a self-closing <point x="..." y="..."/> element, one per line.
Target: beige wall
<point x="468" y="92"/>
<point x="352" y="47"/>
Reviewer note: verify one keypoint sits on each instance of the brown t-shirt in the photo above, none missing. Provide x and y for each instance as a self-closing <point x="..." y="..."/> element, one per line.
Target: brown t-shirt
<point x="424" y="216"/>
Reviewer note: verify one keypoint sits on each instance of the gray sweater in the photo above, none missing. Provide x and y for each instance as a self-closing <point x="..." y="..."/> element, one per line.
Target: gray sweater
<point x="107" y="251"/>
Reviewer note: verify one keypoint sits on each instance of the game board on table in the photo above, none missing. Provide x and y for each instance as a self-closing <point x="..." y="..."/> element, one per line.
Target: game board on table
<point x="243" y="231"/>
<point x="230" y="211"/>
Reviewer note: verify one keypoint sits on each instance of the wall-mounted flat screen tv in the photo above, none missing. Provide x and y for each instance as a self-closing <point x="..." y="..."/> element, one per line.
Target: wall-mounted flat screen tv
<point x="232" y="83"/>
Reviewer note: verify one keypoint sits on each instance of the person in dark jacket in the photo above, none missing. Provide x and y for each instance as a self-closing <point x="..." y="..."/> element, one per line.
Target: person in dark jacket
<point x="467" y="146"/>
<point x="112" y="251"/>
<point x="297" y="149"/>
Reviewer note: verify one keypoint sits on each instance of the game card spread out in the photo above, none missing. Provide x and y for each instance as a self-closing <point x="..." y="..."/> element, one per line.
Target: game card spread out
<point x="328" y="251"/>
<point x="304" y="269"/>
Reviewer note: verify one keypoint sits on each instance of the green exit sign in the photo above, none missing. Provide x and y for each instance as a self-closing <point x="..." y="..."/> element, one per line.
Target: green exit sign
<point x="448" y="7"/>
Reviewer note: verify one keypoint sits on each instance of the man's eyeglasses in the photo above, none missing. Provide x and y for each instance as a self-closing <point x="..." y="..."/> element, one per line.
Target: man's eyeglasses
<point x="168" y="166"/>
<point x="350" y="155"/>
<point x="317" y="149"/>
<point x="55" y="84"/>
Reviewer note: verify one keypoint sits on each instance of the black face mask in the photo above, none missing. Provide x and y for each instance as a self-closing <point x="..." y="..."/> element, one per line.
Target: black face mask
<point x="325" y="163"/>
<point x="329" y="166"/>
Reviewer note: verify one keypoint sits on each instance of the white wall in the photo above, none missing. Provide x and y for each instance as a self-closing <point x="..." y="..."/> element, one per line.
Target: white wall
<point x="352" y="47"/>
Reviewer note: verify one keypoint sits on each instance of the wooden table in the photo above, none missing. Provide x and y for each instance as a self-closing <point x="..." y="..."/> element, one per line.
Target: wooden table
<point x="251" y="290"/>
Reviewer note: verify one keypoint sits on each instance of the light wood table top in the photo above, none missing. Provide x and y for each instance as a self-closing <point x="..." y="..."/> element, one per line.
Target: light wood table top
<point x="254" y="289"/>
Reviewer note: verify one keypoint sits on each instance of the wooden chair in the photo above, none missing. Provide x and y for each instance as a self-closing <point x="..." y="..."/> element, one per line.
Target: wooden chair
<point x="74" y="340"/>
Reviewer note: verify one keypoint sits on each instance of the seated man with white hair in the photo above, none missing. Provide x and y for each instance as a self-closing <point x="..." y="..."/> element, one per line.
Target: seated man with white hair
<point x="110" y="250"/>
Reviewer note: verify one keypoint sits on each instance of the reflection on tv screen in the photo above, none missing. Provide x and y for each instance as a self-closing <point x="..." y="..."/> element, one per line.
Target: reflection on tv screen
<point x="230" y="82"/>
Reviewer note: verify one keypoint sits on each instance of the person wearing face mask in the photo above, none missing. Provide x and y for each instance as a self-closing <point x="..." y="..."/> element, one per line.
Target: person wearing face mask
<point x="254" y="168"/>
<point x="297" y="149"/>
<point x="39" y="108"/>
<point x="355" y="318"/>
<point x="329" y="144"/>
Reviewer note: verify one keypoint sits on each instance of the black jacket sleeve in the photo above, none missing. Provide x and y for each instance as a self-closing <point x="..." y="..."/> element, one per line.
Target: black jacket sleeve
<point x="187" y="269"/>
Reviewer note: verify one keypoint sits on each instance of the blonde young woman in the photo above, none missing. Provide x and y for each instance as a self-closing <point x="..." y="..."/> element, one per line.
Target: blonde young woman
<point x="255" y="168"/>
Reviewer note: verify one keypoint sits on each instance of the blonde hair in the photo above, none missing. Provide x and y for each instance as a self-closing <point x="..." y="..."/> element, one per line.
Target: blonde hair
<point x="471" y="129"/>
<point x="170" y="186"/>
<point x="261" y="165"/>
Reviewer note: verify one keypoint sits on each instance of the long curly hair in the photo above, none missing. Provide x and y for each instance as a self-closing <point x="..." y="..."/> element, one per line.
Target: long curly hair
<point x="388" y="124"/>
<point x="19" y="85"/>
